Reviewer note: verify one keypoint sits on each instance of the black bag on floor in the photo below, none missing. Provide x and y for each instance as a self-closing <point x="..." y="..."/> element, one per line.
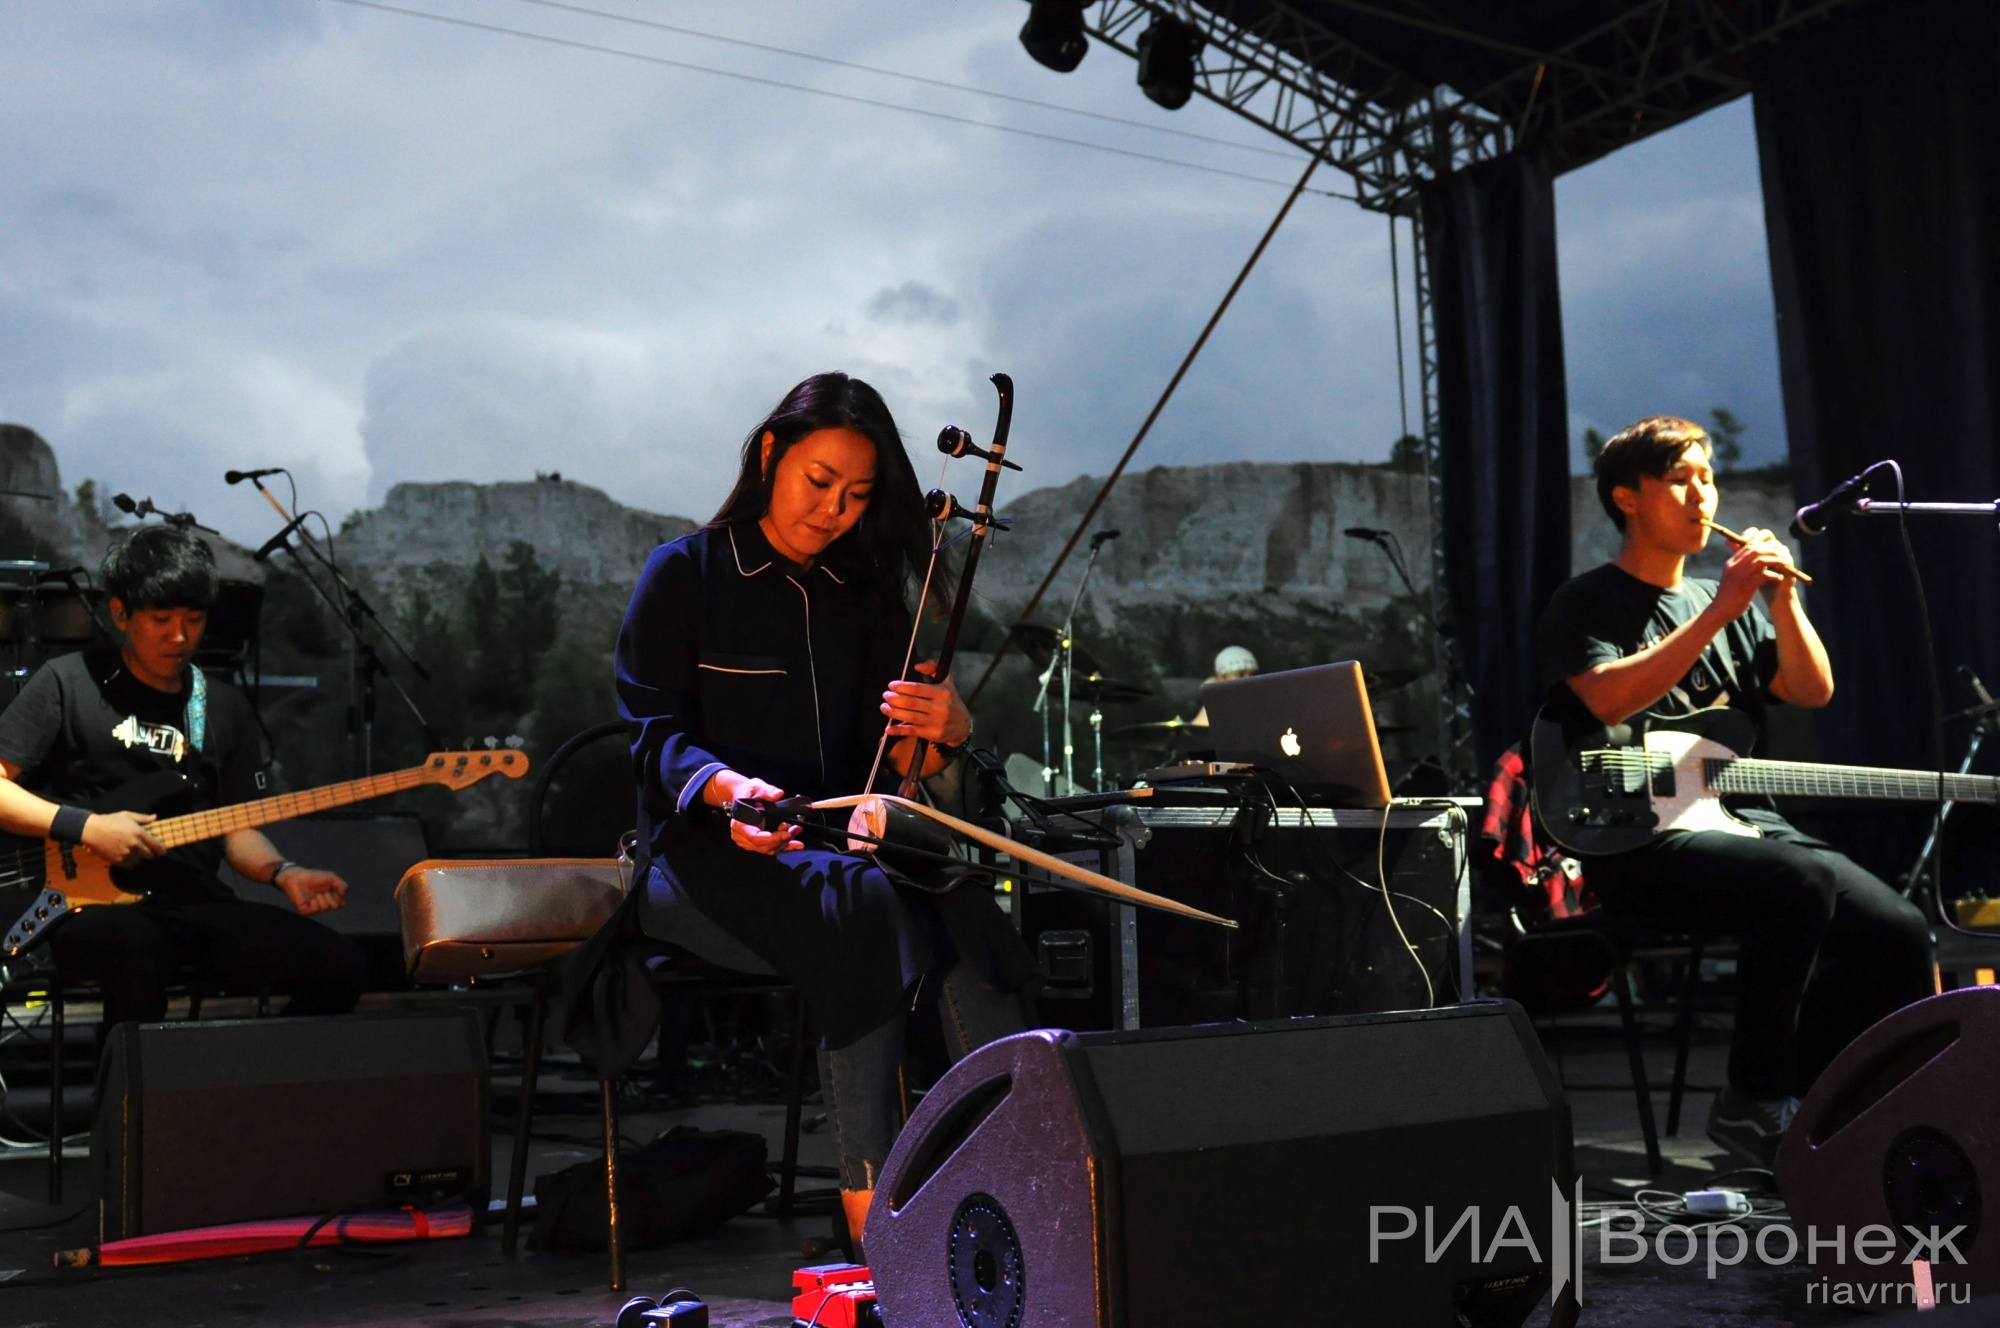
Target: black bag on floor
<point x="685" y="1183"/>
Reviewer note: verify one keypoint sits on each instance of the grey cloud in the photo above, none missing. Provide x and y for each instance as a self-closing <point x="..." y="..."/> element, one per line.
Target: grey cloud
<point x="378" y="249"/>
<point x="913" y="303"/>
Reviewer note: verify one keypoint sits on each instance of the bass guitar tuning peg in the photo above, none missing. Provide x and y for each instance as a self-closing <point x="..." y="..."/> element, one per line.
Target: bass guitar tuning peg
<point x="492" y="743"/>
<point x="516" y="741"/>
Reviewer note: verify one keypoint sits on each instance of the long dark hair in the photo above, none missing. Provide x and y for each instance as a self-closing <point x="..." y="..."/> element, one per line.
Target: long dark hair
<point x="890" y="546"/>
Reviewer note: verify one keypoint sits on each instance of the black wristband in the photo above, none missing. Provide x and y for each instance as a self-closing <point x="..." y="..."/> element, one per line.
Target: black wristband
<point x="66" y="827"/>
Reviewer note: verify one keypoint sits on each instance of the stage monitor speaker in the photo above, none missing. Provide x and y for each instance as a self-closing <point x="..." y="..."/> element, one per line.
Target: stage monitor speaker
<point x="1394" y="1170"/>
<point x="238" y="1120"/>
<point x="1899" y="1133"/>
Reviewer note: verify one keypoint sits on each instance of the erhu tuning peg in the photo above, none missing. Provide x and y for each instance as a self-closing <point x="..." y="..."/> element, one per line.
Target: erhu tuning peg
<point x="956" y="442"/>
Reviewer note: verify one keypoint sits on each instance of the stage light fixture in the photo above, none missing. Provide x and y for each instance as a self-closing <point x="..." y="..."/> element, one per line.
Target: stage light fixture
<point x="1054" y="33"/>
<point x="1167" y="54"/>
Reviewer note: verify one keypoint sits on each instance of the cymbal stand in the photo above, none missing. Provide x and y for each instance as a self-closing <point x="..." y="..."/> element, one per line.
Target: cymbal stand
<point x="1097" y="738"/>
<point x="1982" y="725"/>
<point x="1066" y="657"/>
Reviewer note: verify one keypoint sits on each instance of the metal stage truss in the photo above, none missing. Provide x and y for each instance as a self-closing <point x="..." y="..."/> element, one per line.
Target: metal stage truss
<point x="1309" y="73"/>
<point x="1396" y="93"/>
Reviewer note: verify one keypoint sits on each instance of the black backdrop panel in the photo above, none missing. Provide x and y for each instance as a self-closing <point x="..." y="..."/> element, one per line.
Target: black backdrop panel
<point x="1503" y="430"/>
<point x="1879" y="134"/>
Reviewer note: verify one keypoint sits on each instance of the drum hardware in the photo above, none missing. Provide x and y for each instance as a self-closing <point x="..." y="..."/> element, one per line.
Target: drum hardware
<point x="1161" y="735"/>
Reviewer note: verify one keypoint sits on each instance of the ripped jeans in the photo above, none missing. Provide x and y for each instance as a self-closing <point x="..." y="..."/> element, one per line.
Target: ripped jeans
<point x="859" y="1080"/>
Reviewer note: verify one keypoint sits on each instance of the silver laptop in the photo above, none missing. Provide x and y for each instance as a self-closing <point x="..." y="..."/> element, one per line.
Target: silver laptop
<point x="1309" y="726"/>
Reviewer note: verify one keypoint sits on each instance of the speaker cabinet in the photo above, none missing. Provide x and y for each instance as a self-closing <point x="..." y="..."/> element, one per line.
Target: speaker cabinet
<point x="237" y="1120"/>
<point x="1317" y="935"/>
<point x="1899" y="1132"/>
<point x="1298" y="1172"/>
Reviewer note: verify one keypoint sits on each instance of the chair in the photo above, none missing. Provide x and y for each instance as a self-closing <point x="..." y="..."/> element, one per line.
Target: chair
<point x="467" y="921"/>
<point x="1620" y="939"/>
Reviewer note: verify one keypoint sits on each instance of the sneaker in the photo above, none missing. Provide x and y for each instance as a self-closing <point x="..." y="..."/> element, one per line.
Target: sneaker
<point x="1750" y="1127"/>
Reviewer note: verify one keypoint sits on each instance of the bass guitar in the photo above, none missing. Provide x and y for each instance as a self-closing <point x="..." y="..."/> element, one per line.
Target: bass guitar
<point x="1605" y="789"/>
<point x="73" y="877"/>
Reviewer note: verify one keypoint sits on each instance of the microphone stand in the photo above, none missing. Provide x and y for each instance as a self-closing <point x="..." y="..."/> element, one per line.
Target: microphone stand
<point x="1874" y="507"/>
<point x="364" y="663"/>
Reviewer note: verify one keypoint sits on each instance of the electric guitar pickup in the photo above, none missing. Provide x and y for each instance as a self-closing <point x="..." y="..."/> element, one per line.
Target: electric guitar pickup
<point x="1601" y="790"/>
<point x="73" y="877"/>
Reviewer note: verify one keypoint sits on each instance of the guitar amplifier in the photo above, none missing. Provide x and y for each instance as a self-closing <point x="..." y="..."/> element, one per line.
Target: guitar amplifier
<point x="200" y="1124"/>
<point x="1319" y="934"/>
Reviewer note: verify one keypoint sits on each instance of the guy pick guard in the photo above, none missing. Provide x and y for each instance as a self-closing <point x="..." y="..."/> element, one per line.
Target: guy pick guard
<point x="1691" y="806"/>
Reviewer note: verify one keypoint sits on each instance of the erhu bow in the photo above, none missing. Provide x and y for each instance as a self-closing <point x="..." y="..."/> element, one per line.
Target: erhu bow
<point x="955" y="442"/>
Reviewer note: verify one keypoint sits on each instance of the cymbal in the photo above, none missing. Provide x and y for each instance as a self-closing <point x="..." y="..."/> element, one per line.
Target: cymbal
<point x="1100" y="689"/>
<point x="1156" y="726"/>
<point x="1040" y="645"/>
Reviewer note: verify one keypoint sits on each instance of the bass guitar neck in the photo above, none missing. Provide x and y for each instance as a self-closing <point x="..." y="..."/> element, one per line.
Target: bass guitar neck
<point x="74" y="877"/>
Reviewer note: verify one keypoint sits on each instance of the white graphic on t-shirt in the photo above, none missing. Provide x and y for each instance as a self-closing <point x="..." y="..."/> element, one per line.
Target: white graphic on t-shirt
<point x="160" y="739"/>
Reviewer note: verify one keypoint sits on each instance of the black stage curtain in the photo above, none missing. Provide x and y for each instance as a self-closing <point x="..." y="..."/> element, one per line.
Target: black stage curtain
<point x="1879" y="134"/>
<point x="1503" y="431"/>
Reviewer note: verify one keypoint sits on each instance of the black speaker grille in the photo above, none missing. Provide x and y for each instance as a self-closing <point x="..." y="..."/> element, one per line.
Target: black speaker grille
<point x="1928" y="1182"/>
<point x="988" y="1281"/>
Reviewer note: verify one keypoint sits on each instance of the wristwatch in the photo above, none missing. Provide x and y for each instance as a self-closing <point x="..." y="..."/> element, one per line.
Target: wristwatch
<point x="284" y="865"/>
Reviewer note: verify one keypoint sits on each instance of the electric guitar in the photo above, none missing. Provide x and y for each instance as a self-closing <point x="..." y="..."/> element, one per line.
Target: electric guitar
<point x="73" y="877"/>
<point x="1600" y="790"/>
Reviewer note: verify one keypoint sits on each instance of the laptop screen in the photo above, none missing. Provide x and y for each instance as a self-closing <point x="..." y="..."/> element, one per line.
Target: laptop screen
<point x="1309" y="726"/>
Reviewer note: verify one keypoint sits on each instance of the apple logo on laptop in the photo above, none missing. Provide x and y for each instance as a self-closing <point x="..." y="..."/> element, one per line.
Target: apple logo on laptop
<point x="1288" y="743"/>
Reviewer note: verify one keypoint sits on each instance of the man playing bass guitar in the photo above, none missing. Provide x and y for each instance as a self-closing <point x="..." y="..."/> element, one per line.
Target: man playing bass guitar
<point x="89" y="725"/>
<point x="1827" y="948"/>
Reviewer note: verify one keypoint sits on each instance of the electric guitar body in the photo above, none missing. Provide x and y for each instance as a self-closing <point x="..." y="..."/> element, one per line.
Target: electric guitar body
<point x="1602" y="789"/>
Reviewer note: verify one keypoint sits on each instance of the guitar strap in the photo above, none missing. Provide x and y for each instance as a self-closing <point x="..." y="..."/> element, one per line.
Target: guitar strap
<point x="197" y="707"/>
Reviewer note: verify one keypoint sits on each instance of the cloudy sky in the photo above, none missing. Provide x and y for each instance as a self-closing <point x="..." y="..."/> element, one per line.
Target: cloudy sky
<point x="378" y="248"/>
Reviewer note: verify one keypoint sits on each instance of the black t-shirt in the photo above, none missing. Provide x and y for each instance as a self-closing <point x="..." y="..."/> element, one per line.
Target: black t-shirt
<point x="1607" y="614"/>
<point x="83" y="729"/>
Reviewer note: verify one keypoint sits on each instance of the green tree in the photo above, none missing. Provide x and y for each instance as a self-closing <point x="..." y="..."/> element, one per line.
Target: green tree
<point x="1725" y="435"/>
<point x="489" y="686"/>
<point x="1407" y="453"/>
<point x="530" y="612"/>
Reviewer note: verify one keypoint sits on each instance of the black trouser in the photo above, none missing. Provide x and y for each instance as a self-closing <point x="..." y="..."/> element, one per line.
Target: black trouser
<point x="1827" y="949"/>
<point x="135" y="951"/>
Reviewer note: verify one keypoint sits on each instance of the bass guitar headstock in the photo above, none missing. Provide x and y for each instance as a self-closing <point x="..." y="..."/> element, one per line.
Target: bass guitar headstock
<point x="457" y="770"/>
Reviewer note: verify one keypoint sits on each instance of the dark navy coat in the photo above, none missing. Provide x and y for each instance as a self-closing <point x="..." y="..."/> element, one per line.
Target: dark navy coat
<point x="731" y="656"/>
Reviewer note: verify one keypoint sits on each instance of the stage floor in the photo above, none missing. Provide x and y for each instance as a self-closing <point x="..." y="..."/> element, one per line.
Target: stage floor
<point x="744" y="1269"/>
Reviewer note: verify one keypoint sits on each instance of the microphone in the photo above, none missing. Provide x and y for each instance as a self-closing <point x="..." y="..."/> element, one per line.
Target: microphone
<point x="1366" y="533"/>
<point x="238" y="476"/>
<point x="277" y="541"/>
<point x="1103" y="537"/>
<point x="1812" y="518"/>
<point x="123" y="502"/>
